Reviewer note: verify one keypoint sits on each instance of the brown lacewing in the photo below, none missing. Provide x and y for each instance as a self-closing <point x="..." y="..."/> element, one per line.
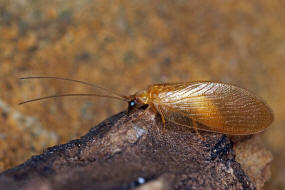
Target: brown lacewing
<point x="219" y="107"/>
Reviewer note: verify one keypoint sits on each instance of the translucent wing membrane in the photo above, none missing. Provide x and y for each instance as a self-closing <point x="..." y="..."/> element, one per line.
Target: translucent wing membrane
<point x="178" y="118"/>
<point x="221" y="107"/>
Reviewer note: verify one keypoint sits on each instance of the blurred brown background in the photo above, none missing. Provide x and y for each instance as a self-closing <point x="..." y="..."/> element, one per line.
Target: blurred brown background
<point x="126" y="45"/>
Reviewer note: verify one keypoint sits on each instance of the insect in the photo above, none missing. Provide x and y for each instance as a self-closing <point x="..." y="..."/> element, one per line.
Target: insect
<point x="219" y="107"/>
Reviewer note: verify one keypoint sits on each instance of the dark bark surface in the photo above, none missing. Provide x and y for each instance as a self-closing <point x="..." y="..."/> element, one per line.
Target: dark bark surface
<point x="124" y="152"/>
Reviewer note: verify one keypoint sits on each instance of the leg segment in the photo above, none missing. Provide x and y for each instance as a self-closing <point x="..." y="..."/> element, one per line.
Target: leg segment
<point x="150" y="106"/>
<point x="161" y="115"/>
<point x="195" y="126"/>
<point x="142" y="113"/>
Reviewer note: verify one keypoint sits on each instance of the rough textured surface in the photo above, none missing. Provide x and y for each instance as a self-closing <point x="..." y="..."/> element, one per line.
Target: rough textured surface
<point x="127" y="45"/>
<point x="122" y="151"/>
<point x="254" y="159"/>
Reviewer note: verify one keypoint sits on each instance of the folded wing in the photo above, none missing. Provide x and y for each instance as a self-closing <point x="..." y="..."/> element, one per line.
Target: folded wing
<point x="219" y="107"/>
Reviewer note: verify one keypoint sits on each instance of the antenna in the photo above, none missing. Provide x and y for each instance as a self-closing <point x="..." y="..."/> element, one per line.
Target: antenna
<point x="77" y="81"/>
<point x="65" y="95"/>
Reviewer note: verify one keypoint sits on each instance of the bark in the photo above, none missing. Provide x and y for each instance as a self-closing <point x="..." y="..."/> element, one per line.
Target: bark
<point x="130" y="151"/>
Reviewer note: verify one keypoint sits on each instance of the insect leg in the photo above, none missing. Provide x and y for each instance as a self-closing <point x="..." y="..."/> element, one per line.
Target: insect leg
<point x="195" y="126"/>
<point x="163" y="120"/>
<point x="149" y="107"/>
<point x="161" y="115"/>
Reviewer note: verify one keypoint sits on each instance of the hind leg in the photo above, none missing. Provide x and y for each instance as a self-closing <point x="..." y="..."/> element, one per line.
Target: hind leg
<point x="195" y="126"/>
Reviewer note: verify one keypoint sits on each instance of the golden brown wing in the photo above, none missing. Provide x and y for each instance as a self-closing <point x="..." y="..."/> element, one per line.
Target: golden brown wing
<point x="221" y="107"/>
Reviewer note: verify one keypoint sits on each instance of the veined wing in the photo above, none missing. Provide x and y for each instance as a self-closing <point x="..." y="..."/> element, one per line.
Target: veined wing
<point x="221" y="107"/>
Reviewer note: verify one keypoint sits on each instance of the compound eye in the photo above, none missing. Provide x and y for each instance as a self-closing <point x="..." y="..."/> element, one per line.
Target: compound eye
<point x="132" y="103"/>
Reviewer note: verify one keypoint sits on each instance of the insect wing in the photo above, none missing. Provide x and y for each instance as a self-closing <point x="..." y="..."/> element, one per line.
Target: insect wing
<point x="221" y="107"/>
<point x="178" y="117"/>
